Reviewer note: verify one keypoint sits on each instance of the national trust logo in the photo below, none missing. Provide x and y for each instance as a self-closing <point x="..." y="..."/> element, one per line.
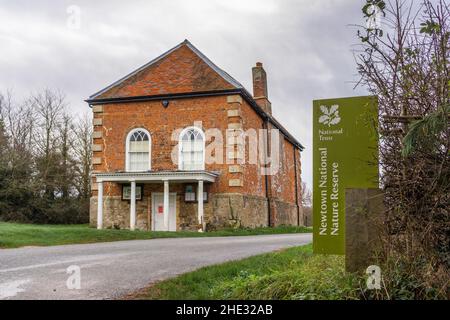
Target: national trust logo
<point x="330" y="116"/>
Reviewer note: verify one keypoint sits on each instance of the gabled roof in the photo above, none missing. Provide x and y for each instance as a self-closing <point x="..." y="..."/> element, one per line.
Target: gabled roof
<point x="162" y="75"/>
<point x="160" y="79"/>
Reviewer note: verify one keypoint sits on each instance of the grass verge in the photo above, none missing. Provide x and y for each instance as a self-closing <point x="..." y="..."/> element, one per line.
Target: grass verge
<point x="294" y="273"/>
<point x="14" y="235"/>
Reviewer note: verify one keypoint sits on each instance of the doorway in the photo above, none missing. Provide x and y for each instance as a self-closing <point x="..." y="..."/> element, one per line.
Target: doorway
<point x="158" y="212"/>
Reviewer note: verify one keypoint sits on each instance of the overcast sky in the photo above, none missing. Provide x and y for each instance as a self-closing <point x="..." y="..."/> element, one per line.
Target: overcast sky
<point x="305" y="47"/>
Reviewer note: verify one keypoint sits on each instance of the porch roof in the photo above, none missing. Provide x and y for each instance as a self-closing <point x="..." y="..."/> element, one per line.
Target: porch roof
<point x="158" y="176"/>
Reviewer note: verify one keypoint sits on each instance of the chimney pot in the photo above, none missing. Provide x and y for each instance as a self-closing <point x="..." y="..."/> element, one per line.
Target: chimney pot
<point x="259" y="64"/>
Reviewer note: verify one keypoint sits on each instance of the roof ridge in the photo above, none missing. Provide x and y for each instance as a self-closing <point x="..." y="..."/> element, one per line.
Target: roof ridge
<point x="213" y="66"/>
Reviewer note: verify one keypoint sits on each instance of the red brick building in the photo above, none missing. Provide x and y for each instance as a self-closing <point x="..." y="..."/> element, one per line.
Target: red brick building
<point x="174" y="148"/>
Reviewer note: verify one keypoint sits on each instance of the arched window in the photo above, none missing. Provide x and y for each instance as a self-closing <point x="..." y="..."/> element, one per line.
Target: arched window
<point x="192" y="149"/>
<point x="138" y="150"/>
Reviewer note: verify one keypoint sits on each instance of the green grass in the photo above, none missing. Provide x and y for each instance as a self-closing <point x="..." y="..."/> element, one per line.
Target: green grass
<point x="13" y="235"/>
<point x="294" y="273"/>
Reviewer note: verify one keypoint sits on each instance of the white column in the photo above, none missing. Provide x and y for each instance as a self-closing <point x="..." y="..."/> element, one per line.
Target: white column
<point x="200" y="203"/>
<point x="100" y="205"/>
<point x="166" y="204"/>
<point x="133" y="205"/>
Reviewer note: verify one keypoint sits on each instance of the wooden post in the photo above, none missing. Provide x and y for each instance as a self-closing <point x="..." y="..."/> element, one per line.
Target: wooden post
<point x="363" y="209"/>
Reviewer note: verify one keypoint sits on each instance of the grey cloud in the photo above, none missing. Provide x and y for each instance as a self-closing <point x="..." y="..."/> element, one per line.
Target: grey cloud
<point x="305" y="47"/>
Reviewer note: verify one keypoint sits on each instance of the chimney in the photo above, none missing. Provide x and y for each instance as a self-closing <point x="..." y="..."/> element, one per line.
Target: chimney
<point x="260" y="88"/>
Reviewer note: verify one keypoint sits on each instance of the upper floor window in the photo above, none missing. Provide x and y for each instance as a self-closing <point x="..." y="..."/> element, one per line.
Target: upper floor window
<point x="138" y="150"/>
<point x="192" y="149"/>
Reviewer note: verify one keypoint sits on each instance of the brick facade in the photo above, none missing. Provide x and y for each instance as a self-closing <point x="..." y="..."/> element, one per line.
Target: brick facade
<point x="240" y="196"/>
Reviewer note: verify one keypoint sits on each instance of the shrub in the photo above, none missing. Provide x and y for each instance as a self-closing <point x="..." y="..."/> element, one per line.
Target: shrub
<point x="404" y="279"/>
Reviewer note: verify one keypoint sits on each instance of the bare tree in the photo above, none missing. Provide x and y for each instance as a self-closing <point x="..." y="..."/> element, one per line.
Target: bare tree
<point x="405" y="62"/>
<point x="83" y="153"/>
<point x="49" y="107"/>
<point x="18" y="121"/>
<point x="67" y="163"/>
<point x="306" y="195"/>
<point x="16" y="161"/>
<point x="44" y="160"/>
<point x="306" y="205"/>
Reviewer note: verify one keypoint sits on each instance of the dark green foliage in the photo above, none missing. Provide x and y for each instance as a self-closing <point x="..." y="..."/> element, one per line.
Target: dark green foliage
<point x="424" y="133"/>
<point x="429" y="27"/>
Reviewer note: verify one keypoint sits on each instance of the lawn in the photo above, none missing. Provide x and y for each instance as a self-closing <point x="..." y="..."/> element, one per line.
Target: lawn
<point x="13" y="235"/>
<point x="293" y="273"/>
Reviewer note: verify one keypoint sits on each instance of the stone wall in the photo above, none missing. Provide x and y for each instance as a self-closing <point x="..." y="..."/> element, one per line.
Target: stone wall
<point x="237" y="210"/>
<point x="223" y="210"/>
<point x="284" y="213"/>
<point x="116" y="213"/>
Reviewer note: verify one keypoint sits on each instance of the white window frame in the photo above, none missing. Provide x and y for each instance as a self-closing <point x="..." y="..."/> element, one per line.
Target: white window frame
<point x="127" y="149"/>
<point x="180" y="157"/>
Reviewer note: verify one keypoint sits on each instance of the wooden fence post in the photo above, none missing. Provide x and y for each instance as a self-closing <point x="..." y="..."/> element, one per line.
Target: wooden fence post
<point x="363" y="210"/>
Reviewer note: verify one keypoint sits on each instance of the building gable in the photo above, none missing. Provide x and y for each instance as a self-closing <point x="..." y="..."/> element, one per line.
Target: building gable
<point x="181" y="69"/>
<point x="184" y="72"/>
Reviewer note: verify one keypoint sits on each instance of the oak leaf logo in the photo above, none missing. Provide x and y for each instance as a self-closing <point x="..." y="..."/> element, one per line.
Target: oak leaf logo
<point x="330" y="116"/>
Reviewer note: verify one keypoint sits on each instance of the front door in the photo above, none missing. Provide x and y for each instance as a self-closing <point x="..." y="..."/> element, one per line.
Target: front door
<point x="158" y="212"/>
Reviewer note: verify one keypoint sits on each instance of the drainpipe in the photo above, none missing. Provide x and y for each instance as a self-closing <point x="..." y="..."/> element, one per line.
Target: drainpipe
<point x="296" y="186"/>
<point x="265" y="127"/>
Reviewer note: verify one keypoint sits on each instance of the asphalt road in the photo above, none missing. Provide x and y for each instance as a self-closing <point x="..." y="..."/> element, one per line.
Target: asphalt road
<point x="113" y="269"/>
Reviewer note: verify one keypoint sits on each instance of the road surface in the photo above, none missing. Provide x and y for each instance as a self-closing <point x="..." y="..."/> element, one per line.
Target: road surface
<point x="113" y="269"/>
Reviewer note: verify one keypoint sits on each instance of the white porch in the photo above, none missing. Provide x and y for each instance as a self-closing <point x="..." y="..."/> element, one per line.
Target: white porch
<point x="164" y="177"/>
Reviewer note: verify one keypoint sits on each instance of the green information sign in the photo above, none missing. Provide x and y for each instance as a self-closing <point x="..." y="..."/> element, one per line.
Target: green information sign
<point x="345" y="155"/>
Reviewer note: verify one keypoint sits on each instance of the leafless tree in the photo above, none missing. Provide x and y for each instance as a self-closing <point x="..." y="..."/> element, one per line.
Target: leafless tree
<point x="306" y="195"/>
<point x="67" y="161"/>
<point x="18" y="120"/>
<point x="83" y="153"/>
<point x="44" y="160"/>
<point x="49" y="107"/>
<point x="405" y="62"/>
<point x="16" y="161"/>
